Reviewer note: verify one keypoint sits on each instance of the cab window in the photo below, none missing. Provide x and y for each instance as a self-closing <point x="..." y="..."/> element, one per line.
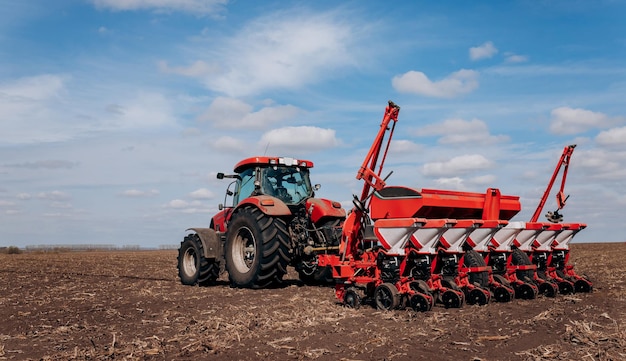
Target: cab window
<point x="246" y="185"/>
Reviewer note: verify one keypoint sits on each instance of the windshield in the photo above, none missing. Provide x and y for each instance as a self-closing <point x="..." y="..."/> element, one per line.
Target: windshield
<point x="289" y="184"/>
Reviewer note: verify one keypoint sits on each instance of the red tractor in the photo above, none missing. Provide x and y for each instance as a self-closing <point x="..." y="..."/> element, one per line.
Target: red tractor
<point x="270" y="220"/>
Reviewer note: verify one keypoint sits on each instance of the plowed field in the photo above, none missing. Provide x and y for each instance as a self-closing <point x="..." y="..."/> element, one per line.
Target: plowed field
<point x="130" y="306"/>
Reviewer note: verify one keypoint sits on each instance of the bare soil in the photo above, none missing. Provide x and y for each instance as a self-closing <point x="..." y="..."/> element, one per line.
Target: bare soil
<point x="131" y="306"/>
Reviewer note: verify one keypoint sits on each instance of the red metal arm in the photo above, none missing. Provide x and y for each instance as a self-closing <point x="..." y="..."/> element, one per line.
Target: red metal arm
<point x="367" y="170"/>
<point x="560" y="196"/>
<point x="352" y="224"/>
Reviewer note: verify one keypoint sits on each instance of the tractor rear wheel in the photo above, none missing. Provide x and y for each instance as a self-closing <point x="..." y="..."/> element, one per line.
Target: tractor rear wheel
<point x="257" y="249"/>
<point x="193" y="267"/>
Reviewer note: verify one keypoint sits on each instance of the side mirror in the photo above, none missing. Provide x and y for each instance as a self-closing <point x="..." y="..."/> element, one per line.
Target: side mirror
<point x="220" y="206"/>
<point x="221" y="175"/>
<point x="317" y="187"/>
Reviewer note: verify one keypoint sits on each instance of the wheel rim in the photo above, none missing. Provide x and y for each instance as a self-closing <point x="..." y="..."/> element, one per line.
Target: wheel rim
<point x="502" y="294"/>
<point x="526" y="292"/>
<point x="351" y="299"/>
<point x="189" y="262"/>
<point x="566" y="288"/>
<point x="420" y="303"/>
<point x="477" y="297"/>
<point x="244" y="250"/>
<point x="548" y="289"/>
<point x="451" y="299"/>
<point x="582" y="286"/>
<point x="385" y="298"/>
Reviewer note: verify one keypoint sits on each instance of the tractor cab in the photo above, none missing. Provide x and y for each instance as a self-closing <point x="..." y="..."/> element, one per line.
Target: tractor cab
<point x="284" y="178"/>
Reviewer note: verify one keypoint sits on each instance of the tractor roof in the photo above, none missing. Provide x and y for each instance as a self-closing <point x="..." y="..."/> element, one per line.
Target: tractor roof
<point x="266" y="161"/>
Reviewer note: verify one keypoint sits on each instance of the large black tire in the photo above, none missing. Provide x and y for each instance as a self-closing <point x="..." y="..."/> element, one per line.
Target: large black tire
<point x="257" y="249"/>
<point x="520" y="258"/>
<point x="473" y="259"/>
<point x="193" y="267"/>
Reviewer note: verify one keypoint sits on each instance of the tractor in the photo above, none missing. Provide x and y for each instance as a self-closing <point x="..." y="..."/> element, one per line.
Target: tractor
<point x="270" y="219"/>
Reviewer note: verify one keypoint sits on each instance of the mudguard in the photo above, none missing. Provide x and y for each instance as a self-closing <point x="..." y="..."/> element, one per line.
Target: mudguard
<point x="211" y="242"/>
<point x="269" y="205"/>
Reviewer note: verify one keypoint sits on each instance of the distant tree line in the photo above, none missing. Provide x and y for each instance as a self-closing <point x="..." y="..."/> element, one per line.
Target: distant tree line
<point x="10" y="250"/>
<point x="79" y="248"/>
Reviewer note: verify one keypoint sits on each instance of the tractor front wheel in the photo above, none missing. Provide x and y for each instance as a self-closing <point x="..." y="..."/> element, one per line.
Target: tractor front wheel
<point x="257" y="249"/>
<point x="193" y="267"/>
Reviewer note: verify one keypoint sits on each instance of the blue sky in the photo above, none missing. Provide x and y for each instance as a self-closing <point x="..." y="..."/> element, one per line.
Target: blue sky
<point x="115" y="115"/>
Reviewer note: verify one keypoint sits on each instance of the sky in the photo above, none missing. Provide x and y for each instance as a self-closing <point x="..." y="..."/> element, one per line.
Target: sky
<point x="116" y="115"/>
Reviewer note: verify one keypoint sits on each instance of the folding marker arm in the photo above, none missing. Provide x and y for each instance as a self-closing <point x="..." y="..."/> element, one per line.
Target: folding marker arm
<point x="560" y="196"/>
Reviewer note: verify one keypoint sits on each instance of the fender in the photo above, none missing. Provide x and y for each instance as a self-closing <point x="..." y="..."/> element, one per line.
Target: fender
<point x="320" y="208"/>
<point x="218" y="222"/>
<point x="269" y="205"/>
<point x="211" y="242"/>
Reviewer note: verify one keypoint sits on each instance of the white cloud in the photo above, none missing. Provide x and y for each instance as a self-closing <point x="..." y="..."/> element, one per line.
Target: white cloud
<point x="28" y="103"/>
<point x="40" y="87"/>
<point x="182" y="206"/>
<point x="46" y="108"/>
<point x="567" y="120"/>
<point x="458" y="165"/>
<point x="144" y="110"/>
<point x="234" y="113"/>
<point x="54" y="196"/>
<point x="135" y="193"/>
<point x="612" y="137"/>
<point x="6" y="203"/>
<point x="177" y="204"/>
<point x="515" y="58"/>
<point x="484" y="180"/>
<point x="45" y="164"/>
<point x="24" y="196"/>
<point x="284" y="50"/>
<point x="61" y="215"/>
<point x="202" y="193"/>
<point x="60" y="205"/>
<point x="200" y="7"/>
<point x="197" y="69"/>
<point x="484" y="51"/>
<point x="194" y="210"/>
<point x="602" y="164"/>
<point x="299" y="139"/>
<point x="456" y="131"/>
<point x="461" y="82"/>
<point x="404" y="147"/>
<point x="227" y="143"/>
<point x="450" y="183"/>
